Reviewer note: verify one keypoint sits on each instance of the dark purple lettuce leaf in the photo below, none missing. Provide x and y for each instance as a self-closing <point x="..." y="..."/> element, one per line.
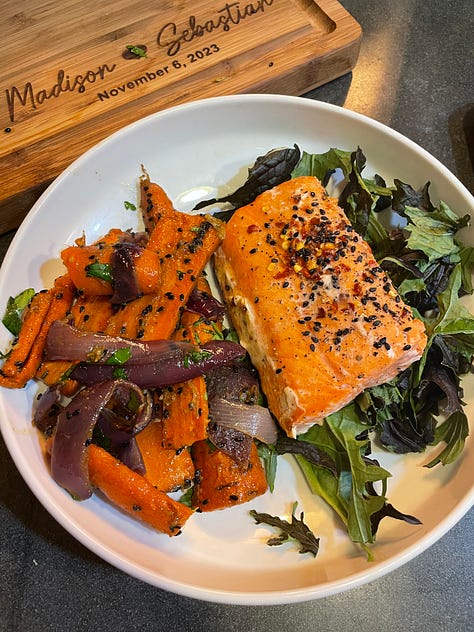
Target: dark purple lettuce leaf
<point x="310" y="451"/>
<point x="267" y="172"/>
<point x="232" y="442"/>
<point x="405" y="195"/>
<point x="400" y="435"/>
<point x="356" y="199"/>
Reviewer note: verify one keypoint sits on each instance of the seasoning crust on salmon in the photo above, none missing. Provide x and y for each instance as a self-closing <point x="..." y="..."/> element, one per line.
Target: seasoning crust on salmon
<point x="317" y="314"/>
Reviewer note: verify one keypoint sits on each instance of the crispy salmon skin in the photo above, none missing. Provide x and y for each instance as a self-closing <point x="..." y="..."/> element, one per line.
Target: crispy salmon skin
<point x="318" y="316"/>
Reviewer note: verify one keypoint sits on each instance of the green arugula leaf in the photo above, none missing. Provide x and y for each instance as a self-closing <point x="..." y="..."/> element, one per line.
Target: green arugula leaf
<point x="340" y="437"/>
<point x="320" y="165"/>
<point x="269" y="458"/>
<point x="453" y="431"/>
<point x="295" y="530"/>
<point x="433" y="233"/>
<point x="466" y="254"/>
<point x="346" y="427"/>
<point x="14" y="310"/>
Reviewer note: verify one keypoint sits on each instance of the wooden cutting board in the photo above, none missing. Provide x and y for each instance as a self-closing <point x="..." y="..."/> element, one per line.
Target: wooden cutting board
<point x="73" y="72"/>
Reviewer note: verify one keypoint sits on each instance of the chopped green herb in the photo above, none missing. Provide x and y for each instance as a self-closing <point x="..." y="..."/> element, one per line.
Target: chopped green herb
<point x="194" y="357"/>
<point x="101" y="271"/>
<point x="187" y="497"/>
<point x="130" y="206"/>
<point x="14" y="310"/>
<point x="120" y="356"/>
<point x="119" y="373"/>
<point x="136" y="50"/>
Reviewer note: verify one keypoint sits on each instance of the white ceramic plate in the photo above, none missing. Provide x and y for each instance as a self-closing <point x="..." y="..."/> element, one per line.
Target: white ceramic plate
<point x="197" y="150"/>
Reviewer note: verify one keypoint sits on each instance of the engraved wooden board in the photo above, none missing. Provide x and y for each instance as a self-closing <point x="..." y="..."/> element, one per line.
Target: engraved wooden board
<point x="73" y="72"/>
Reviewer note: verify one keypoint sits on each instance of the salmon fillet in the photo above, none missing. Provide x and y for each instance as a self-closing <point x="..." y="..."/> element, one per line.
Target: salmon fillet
<point x="318" y="316"/>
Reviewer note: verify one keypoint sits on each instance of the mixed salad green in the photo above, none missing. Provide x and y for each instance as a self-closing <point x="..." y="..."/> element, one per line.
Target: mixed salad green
<point x="422" y="407"/>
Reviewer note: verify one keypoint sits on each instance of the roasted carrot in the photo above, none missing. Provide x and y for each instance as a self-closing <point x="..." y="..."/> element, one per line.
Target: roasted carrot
<point x="155" y="203"/>
<point x="184" y="244"/>
<point x="55" y="372"/>
<point x="185" y="413"/>
<point x="79" y="261"/>
<point x="135" y="494"/>
<point x="32" y="320"/>
<point x="196" y="329"/>
<point x="91" y="313"/>
<point x="166" y="469"/>
<point x="223" y="482"/>
<point x="22" y="365"/>
<point x="200" y="237"/>
<point x="185" y="410"/>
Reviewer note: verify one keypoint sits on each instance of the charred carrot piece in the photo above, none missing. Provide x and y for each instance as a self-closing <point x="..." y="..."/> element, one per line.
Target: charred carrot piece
<point x="185" y="413"/>
<point x="195" y="329"/>
<point x="91" y="313"/>
<point x="154" y="202"/>
<point x="156" y="316"/>
<point x="79" y="259"/>
<point x="180" y="271"/>
<point x="135" y="494"/>
<point x="61" y="297"/>
<point x="223" y="482"/>
<point x="166" y="469"/>
<point x="55" y="372"/>
<point x="31" y="325"/>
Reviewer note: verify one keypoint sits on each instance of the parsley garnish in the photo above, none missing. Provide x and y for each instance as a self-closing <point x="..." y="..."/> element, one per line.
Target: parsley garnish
<point x="119" y="373"/>
<point x="136" y="50"/>
<point x="101" y="271"/>
<point x="120" y="356"/>
<point x="194" y="357"/>
<point x="130" y="206"/>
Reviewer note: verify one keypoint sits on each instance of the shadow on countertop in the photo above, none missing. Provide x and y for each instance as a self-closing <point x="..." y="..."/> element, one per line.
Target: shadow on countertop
<point x="461" y="133"/>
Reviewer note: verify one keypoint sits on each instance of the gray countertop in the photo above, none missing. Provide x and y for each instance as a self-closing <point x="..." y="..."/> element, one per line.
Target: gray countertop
<point x="415" y="74"/>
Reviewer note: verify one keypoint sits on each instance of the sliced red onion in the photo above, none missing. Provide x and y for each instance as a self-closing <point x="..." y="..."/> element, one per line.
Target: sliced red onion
<point x="131" y="456"/>
<point x="122" y="264"/>
<point x="140" y="238"/>
<point x="126" y="414"/>
<point x="237" y="382"/>
<point x="232" y="442"/>
<point x="251" y="419"/>
<point x="205" y="304"/>
<point x="189" y="363"/>
<point x="65" y="342"/>
<point x="47" y="409"/>
<point x="74" y="428"/>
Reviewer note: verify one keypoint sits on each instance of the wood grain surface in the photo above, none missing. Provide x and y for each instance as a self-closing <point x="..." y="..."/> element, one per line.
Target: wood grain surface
<point x="73" y="72"/>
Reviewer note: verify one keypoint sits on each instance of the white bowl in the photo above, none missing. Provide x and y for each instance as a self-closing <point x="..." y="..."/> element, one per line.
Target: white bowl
<point x="196" y="150"/>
